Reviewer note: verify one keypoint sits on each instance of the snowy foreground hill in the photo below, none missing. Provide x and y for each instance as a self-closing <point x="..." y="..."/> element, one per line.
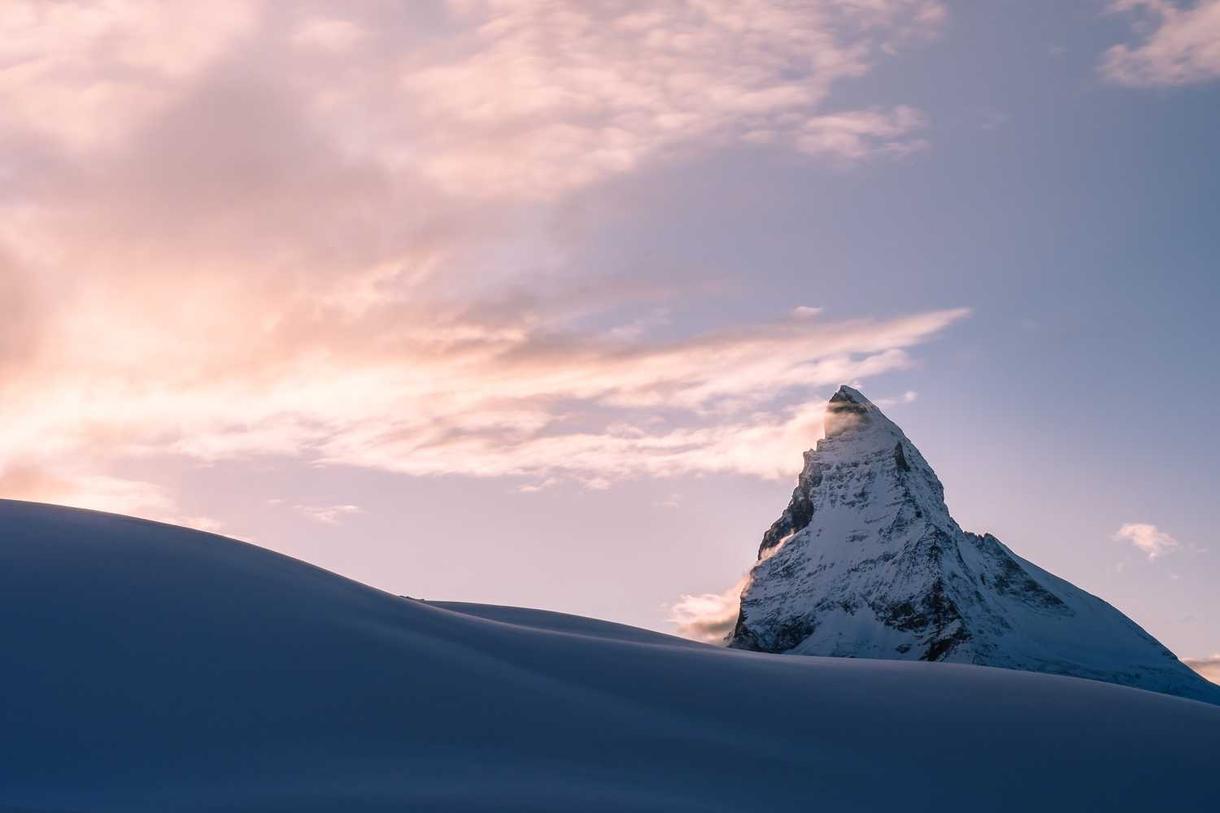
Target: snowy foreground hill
<point x="866" y="562"/>
<point x="145" y="667"/>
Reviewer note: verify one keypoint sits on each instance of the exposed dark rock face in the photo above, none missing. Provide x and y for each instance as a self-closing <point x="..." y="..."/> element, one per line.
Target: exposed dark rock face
<point x="866" y="561"/>
<point x="799" y="512"/>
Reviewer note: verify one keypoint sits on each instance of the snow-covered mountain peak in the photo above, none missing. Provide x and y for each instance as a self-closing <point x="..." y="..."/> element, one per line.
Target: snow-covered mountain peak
<point x="849" y="412"/>
<point x="855" y="427"/>
<point x="863" y="460"/>
<point x="866" y="561"/>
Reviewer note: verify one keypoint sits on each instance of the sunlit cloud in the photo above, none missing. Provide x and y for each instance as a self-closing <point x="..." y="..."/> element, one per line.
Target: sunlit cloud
<point x="711" y="617"/>
<point x="84" y="74"/>
<point x="469" y="400"/>
<point x="1180" y="44"/>
<point x="328" y="33"/>
<point x="1207" y="667"/>
<point x="544" y="96"/>
<point x="64" y="483"/>
<point x="323" y="233"/>
<point x="707" y="617"/>
<point x="1148" y="538"/>
<point x="328" y="514"/>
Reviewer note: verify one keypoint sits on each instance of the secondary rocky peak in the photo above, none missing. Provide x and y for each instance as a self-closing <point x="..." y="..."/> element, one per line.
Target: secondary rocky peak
<point x="866" y="561"/>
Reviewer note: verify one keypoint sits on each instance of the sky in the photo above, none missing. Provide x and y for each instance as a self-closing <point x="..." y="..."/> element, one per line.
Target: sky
<point x="537" y="303"/>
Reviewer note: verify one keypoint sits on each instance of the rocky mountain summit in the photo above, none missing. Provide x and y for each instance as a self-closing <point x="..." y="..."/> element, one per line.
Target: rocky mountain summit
<point x="866" y="562"/>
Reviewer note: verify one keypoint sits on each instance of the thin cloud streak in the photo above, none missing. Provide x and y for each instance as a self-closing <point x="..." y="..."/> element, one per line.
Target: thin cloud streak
<point x="1207" y="667"/>
<point x="501" y="404"/>
<point x="548" y="96"/>
<point x="328" y="514"/>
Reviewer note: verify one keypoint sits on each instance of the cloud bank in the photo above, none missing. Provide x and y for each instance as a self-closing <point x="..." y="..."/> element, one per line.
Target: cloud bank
<point x="325" y="232"/>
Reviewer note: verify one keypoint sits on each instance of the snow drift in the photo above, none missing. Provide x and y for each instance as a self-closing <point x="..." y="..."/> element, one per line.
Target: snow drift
<point x="151" y="668"/>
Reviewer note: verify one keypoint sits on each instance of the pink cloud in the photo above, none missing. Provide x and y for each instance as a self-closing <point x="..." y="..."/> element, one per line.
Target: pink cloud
<point x="266" y="230"/>
<point x="543" y="97"/>
<point x="1181" y="44"/>
<point x="1207" y="667"/>
<point x="86" y="74"/>
<point x="328" y="514"/>
<point x="707" y="617"/>
<point x="1148" y="538"/>
<point x="328" y="33"/>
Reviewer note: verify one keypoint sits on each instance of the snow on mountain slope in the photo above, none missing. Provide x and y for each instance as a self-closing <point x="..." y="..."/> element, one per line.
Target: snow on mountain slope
<point x="867" y="562"/>
<point x="152" y="668"/>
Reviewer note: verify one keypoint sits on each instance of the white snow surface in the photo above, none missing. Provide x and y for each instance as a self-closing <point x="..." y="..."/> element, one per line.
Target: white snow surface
<point x="867" y="562"/>
<point x="146" y="667"/>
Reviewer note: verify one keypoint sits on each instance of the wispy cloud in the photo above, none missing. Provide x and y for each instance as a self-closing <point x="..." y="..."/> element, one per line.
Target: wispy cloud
<point x="1148" y="538"/>
<point x="1207" y="667"/>
<point x="540" y="97"/>
<point x="325" y="233"/>
<point x="908" y="397"/>
<point x="707" y="617"/>
<point x="328" y="514"/>
<point x="1180" y="44"/>
<point x="67" y="482"/>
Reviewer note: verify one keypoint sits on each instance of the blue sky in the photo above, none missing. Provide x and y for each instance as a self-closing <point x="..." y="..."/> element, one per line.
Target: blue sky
<point x="498" y="301"/>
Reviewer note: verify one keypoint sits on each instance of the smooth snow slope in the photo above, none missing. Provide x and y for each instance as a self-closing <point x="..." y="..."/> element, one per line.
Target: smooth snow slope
<point x="563" y="622"/>
<point x="151" y="668"/>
